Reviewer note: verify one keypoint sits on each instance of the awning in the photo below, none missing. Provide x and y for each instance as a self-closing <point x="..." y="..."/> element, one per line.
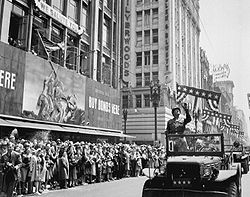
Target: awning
<point x="96" y="132"/>
<point x="6" y="124"/>
<point x="33" y="125"/>
<point x="79" y="130"/>
<point x="24" y="123"/>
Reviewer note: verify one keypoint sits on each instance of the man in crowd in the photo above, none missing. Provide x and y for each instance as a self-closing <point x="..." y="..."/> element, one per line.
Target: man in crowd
<point x="12" y="163"/>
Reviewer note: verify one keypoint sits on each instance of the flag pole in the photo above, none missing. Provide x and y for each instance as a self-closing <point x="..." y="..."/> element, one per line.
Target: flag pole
<point x="46" y="52"/>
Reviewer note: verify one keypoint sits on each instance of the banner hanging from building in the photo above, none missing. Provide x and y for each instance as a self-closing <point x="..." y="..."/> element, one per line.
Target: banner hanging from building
<point x="53" y="13"/>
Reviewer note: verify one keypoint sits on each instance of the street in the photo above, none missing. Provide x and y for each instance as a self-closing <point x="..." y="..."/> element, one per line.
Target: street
<point x="127" y="187"/>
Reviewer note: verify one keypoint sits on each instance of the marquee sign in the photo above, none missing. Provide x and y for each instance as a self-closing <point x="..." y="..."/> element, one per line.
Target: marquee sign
<point x="126" y="41"/>
<point x="220" y="72"/>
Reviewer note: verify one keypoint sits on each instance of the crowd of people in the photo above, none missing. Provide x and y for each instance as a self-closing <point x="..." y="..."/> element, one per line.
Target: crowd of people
<point x="33" y="166"/>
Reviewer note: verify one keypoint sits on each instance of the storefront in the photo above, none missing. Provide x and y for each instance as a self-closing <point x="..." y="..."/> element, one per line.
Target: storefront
<point x="39" y="96"/>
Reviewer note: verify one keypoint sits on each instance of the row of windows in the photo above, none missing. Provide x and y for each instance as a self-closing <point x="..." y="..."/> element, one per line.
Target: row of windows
<point x="147" y="17"/>
<point x="147" y="80"/>
<point x="145" y="2"/>
<point x="140" y="101"/>
<point x="146" y="37"/>
<point x="147" y="59"/>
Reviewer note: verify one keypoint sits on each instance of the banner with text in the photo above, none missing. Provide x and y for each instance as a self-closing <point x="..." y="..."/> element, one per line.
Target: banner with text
<point x="220" y="72"/>
<point x="12" y="65"/>
<point x="102" y="105"/>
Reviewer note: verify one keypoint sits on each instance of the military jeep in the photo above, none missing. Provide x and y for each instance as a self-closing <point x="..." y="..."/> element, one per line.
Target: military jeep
<point x="194" y="170"/>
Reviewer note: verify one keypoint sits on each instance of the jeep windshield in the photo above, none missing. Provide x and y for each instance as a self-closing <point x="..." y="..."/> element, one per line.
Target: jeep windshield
<point x="195" y="144"/>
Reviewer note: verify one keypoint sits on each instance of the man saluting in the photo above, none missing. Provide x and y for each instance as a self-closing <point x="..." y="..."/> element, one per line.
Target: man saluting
<point x="177" y="125"/>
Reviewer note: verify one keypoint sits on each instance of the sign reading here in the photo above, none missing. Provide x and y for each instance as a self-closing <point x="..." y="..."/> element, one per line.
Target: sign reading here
<point x="7" y="79"/>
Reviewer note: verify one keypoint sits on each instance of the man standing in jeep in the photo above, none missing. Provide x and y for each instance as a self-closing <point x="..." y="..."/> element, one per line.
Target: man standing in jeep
<point x="177" y="125"/>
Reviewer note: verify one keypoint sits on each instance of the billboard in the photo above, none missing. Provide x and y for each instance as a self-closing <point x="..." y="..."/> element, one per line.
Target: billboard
<point x="12" y="65"/>
<point x="102" y="105"/>
<point x="220" y="72"/>
<point x="53" y="93"/>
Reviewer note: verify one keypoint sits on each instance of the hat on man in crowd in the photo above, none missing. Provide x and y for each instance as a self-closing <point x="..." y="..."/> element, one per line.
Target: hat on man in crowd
<point x="175" y="108"/>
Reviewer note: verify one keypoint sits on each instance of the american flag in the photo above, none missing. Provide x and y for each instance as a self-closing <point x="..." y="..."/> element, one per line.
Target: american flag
<point x="211" y="97"/>
<point x="234" y="129"/>
<point x="48" y="44"/>
<point x="221" y="119"/>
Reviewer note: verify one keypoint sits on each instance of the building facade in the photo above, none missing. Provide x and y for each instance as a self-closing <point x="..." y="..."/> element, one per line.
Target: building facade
<point x="60" y="64"/>
<point x="160" y="43"/>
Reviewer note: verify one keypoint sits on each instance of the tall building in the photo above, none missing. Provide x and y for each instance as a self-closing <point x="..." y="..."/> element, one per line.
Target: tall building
<point x="79" y="86"/>
<point x="160" y="42"/>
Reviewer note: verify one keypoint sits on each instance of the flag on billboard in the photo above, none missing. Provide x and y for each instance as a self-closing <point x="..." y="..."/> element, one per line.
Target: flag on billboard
<point x="49" y="45"/>
<point x="248" y="99"/>
<point x="211" y="97"/>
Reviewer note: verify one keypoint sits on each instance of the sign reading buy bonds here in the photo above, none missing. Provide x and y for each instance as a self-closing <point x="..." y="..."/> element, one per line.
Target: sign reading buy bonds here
<point x="95" y="103"/>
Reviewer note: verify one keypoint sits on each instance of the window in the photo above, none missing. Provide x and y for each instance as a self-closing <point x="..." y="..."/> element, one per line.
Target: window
<point x="155" y="17"/>
<point x="125" y="101"/>
<point x="72" y="12"/>
<point x="107" y="3"/>
<point x="85" y="17"/>
<point x="138" y="101"/>
<point x="139" y="19"/>
<point x="147" y="58"/>
<point x="59" y="5"/>
<point x="139" y="59"/>
<point x="139" y="39"/>
<point x="106" y="32"/>
<point x="147" y="17"/>
<point x="71" y="51"/>
<point x="155" y="76"/>
<point x="146" y="2"/>
<point x="146" y="79"/>
<point x="155" y="36"/>
<point x="155" y="57"/>
<point x="139" y="2"/>
<point x="57" y="37"/>
<point x="147" y="100"/>
<point x="147" y="37"/>
<point x="138" y="79"/>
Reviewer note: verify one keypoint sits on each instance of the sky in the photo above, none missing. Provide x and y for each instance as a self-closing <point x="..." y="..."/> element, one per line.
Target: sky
<point x="225" y="36"/>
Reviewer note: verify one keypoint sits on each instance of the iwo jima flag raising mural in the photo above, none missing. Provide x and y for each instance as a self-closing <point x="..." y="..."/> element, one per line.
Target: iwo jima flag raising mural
<point x="211" y="97"/>
<point x="57" y="95"/>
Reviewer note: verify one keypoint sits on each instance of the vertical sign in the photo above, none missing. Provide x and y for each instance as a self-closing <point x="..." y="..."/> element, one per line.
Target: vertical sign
<point x="126" y="41"/>
<point x="248" y="99"/>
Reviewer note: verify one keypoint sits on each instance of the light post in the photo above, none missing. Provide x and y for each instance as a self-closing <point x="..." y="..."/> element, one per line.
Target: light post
<point x="125" y="116"/>
<point x="155" y="90"/>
